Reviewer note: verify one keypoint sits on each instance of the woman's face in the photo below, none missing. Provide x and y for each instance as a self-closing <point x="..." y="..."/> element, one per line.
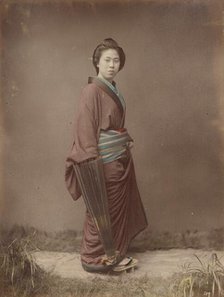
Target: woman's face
<point x="109" y="64"/>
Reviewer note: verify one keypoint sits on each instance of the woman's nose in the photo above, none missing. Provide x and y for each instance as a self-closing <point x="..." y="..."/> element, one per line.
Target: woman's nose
<point x="111" y="63"/>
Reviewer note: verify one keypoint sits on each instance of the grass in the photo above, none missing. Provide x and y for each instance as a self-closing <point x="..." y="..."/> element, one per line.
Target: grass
<point x="20" y="276"/>
<point x="153" y="240"/>
<point x="19" y="272"/>
<point x="206" y="278"/>
<point x="69" y="240"/>
<point x="56" y="287"/>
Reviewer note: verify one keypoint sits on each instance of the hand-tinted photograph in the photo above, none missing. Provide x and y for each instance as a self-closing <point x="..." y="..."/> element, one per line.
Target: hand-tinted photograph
<point x="111" y="148"/>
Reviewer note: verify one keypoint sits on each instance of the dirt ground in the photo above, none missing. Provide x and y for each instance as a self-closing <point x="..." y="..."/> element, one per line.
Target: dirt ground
<point x="160" y="263"/>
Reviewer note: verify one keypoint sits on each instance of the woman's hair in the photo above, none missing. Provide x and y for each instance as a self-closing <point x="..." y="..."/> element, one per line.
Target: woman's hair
<point x="108" y="43"/>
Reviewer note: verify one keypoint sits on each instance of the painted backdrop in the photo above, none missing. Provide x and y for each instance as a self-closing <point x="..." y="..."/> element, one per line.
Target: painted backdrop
<point x="172" y="82"/>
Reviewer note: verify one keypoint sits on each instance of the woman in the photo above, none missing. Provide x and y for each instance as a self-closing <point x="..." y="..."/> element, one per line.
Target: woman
<point x="100" y="135"/>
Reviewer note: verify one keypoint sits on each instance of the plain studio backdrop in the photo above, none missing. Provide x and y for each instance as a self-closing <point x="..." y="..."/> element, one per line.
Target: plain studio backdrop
<point x="172" y="83"/>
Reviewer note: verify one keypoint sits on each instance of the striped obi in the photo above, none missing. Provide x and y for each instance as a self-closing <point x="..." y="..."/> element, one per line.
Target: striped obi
<point x="113" y="143"/>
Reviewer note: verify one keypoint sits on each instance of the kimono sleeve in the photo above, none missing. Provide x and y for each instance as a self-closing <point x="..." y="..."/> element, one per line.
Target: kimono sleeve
<point x="87" y="126"/>
<point x="85" y="138"/>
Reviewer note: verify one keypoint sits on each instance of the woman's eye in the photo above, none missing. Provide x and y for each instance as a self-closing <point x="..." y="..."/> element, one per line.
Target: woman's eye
<point x="109" y="60"/>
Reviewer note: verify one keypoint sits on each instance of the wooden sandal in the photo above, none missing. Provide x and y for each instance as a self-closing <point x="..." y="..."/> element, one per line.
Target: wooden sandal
<point x="126" y="264"/>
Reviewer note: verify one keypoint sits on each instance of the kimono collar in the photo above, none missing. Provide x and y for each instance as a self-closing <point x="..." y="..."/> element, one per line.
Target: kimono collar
<point x="110" y="89"/>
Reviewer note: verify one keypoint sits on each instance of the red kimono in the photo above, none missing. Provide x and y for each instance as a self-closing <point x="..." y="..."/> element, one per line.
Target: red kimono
<point x="99" y="111"/>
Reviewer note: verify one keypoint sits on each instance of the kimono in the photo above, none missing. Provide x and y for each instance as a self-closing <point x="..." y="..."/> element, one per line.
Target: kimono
<point x="100" y="110"/>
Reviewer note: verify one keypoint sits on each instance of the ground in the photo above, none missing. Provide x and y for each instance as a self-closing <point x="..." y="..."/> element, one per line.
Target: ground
<point x="160" y="263"/>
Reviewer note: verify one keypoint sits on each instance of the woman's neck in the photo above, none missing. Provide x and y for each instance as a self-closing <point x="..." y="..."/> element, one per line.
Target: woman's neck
<point x="100" y="76"/>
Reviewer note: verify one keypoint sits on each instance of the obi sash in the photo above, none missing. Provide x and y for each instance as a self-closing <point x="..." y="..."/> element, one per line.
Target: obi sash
<point x="113" y="144"/>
